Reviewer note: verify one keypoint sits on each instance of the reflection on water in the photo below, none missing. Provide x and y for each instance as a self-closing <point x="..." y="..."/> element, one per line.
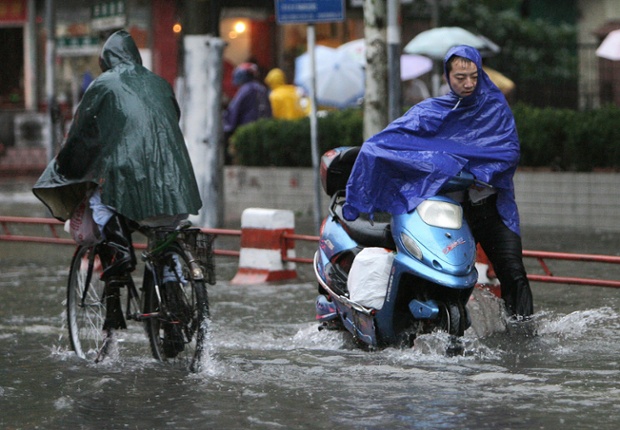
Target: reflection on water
<point x="270" y="368"/>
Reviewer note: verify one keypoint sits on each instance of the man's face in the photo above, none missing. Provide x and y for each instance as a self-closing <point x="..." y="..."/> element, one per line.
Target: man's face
<point x="463" y="77"/>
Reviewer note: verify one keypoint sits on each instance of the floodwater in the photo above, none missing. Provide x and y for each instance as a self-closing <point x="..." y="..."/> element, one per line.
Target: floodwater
<point x="269" y="367"/>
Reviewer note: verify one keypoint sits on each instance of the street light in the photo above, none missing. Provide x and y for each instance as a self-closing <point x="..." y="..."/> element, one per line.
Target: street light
<point x="238" y="28"/>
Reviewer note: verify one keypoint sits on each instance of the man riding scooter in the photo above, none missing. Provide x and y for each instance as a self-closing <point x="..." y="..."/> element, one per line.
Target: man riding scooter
<point x="472" y="127"/>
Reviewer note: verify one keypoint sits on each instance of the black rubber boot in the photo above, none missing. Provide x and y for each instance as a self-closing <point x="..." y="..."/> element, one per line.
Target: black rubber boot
<point x="120" y="253"/>
<point x="114" y="319"/>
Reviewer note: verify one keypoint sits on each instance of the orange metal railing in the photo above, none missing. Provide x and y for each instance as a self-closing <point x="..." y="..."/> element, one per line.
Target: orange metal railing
<point x="288" y="239"/>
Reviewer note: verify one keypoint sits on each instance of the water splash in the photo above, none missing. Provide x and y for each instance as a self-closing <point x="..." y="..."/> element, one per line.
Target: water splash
<point x="579" y="323"/>
<point x="487" y="314"/>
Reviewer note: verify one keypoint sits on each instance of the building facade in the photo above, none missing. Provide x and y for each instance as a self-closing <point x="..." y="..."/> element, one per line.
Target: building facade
<point x="249" y="30"/>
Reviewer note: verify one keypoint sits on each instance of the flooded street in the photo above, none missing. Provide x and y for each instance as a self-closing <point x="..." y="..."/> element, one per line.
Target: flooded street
<point x="270" y="368"/>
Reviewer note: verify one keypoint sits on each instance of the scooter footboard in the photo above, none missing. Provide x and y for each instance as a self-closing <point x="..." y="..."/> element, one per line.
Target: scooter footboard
<point x="357" y="319"/>
<point x="361" y="325"/>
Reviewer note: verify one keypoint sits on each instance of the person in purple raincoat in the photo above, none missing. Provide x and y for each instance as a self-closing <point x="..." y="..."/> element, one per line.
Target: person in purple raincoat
<point x="250" y="103"/>
<point x="472" y="128"/>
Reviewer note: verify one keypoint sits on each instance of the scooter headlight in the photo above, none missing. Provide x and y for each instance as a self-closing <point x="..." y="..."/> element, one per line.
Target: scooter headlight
<point x="411" y="246"/>
<point x="441" y="214"/>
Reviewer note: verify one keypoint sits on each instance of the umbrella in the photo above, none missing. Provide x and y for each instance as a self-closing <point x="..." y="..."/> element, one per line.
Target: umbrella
<point x="436" y="42"/>
<point x="411" y="66"/>
<point x="610" y="48"/>
<point x="339" y="81"/>
<point x="505" y="84"/>
<point x="356" y="49"/>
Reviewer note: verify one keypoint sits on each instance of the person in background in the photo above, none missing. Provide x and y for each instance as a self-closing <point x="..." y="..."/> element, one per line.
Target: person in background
<point x="286" y="100"/>
<point x="471" y="128"/>
<point x="228" y="89"/>
<point x="87" y="79"/>
<point x="250" y="103"/>
<point x="125" y="152"/>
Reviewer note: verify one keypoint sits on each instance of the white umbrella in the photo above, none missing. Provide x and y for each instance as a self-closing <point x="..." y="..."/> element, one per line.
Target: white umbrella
<point x="610" y="48"/>
<point x="411" y="66"/>
<point x="436" y="42"/>
<point x="339" y="81"/>
<point x="356" y="49"/>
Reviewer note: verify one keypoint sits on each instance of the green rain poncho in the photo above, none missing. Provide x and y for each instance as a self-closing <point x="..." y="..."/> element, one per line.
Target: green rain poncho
<point x="125" y="138"/>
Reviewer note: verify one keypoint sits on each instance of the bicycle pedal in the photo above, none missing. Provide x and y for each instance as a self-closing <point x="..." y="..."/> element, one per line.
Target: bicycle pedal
<point x="103" y="351"/>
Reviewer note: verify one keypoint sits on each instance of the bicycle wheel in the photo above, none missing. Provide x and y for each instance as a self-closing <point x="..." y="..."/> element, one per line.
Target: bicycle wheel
<point x="178" y="330"/>
<point x="86" y="307"/>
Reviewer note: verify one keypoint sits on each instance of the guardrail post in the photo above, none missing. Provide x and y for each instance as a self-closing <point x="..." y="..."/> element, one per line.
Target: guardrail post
<point x="263" y="248"/>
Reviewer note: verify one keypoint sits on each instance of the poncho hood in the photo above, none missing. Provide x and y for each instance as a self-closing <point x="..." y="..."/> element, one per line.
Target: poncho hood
<point x="473" y="55"/>
<point x="411" y="159"/>
<point x="275" y="78"/>
<point x="119" y="48"/>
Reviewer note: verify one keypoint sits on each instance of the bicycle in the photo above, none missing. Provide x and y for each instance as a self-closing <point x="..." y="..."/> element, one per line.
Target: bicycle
<point x="173" y="304"/>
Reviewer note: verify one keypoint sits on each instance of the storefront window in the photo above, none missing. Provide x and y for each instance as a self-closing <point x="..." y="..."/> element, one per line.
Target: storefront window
<point x="12" y="70"/>
<point x="82" y="28"/>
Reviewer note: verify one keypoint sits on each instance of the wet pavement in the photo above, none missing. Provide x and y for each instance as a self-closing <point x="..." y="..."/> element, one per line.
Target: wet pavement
<point x="269" y="367"/>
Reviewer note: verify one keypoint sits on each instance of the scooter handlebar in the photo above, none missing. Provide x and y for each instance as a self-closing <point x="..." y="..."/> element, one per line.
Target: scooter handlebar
<point x="334" y="201"/>
<point x="462" y="181"/>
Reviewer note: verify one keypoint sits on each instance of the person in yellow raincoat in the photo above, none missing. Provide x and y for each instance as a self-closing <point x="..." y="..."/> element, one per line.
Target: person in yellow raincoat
<point x="286" y="101"/>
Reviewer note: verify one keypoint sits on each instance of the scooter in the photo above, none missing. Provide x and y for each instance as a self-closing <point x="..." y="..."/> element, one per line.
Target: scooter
<point x="388" y="279"/>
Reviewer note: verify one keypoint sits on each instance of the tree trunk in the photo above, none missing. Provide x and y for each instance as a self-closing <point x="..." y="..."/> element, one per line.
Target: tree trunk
<point x="201" y="101"/>
<point x="376" y="98"/>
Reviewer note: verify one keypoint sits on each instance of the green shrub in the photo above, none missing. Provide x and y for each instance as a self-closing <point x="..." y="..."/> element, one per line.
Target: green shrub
<point x="543" y="135"/>
<point x="594" y="140"/>
<point x="559" y="139"/>
<point x="271" y="142"/>
<point x="564" y="139"/>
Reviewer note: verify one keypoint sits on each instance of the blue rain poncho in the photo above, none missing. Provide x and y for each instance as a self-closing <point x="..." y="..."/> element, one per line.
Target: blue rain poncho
<point x="415" y="155"/>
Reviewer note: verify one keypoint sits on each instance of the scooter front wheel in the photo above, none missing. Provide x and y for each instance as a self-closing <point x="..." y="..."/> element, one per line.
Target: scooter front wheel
<point x="453" y="318"/>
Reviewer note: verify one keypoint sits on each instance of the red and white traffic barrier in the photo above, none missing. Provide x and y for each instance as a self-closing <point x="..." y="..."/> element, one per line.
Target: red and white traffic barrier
<point x="263" y="246"/>
<point x="486" y="274"/>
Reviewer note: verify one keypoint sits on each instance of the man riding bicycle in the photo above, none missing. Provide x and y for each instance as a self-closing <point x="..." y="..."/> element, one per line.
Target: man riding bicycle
<point x="126" y="151"/>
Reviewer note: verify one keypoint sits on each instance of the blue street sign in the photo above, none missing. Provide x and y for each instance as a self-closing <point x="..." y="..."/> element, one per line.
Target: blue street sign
<point x="309" y="11"/>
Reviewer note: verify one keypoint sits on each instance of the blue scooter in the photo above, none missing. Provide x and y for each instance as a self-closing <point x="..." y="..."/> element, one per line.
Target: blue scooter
<point x="431" y="272"/>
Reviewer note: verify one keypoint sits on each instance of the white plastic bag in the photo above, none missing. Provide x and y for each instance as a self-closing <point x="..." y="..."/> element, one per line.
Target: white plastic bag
<point x="369" y="276"/>
<point x="82" y="227"/>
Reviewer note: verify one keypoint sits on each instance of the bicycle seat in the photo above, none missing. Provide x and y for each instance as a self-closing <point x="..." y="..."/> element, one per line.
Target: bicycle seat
<point x="164" y="229"/>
